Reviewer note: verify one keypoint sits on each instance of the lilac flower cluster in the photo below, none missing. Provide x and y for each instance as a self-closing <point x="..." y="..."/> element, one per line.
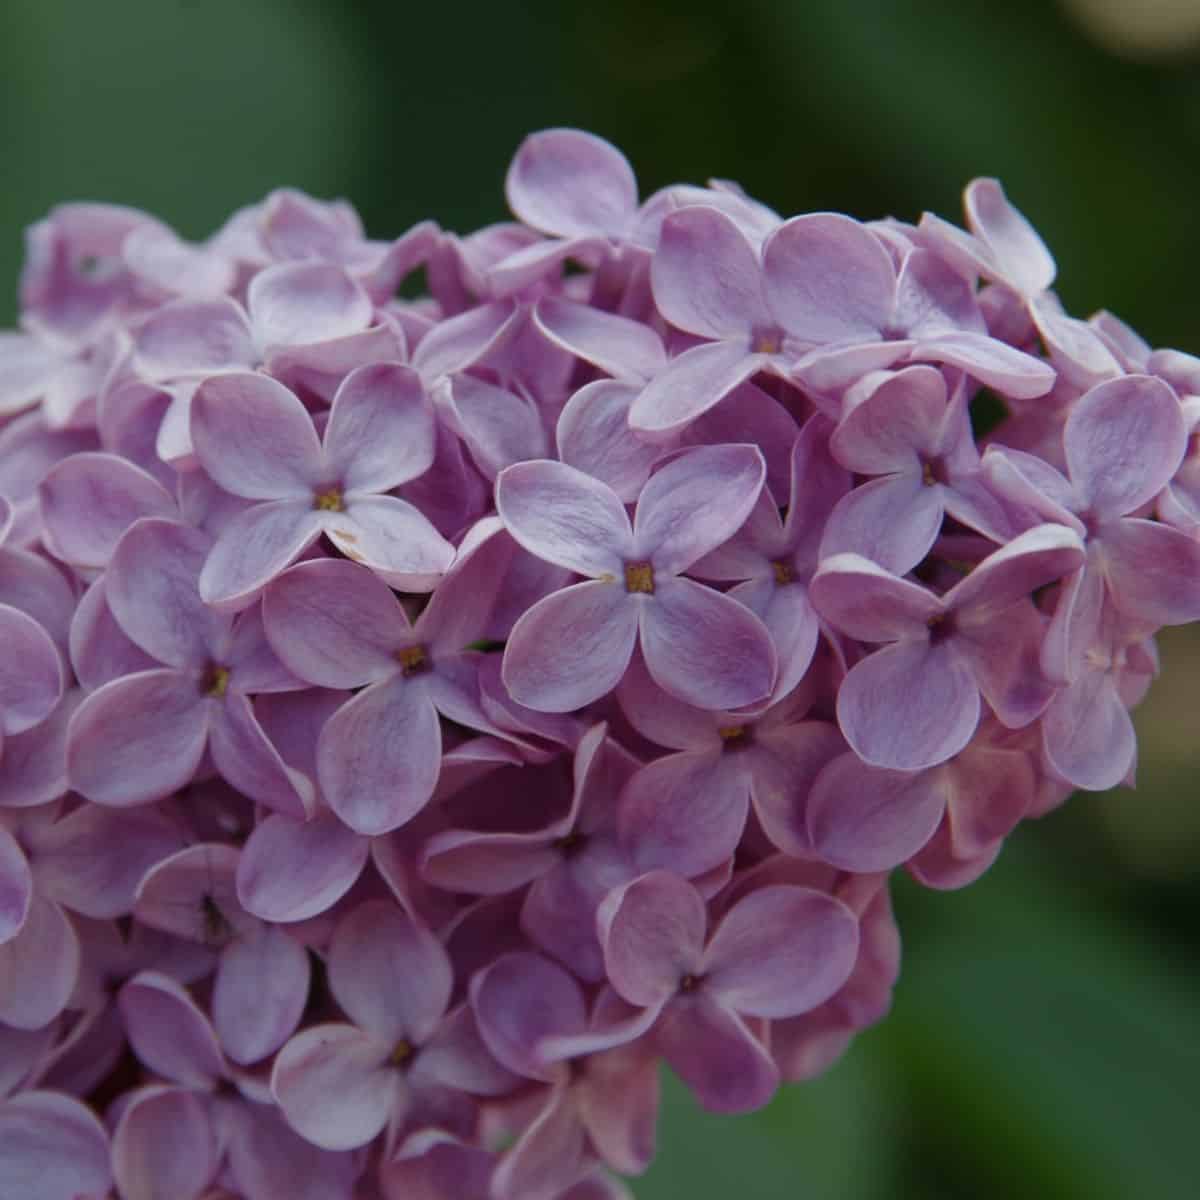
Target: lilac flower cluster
<point x="421" y="718"/>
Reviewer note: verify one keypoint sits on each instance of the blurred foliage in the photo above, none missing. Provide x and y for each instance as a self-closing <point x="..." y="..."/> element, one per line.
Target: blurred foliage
<point x="1044" y="1041"/>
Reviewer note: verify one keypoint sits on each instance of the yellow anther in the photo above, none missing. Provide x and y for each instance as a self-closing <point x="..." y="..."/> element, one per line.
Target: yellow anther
<point x="402" y="1052"/>
<point x="639" y="577"/>
<point x="928" y="478"/>
<point x="216" y="681"/>
<point x="732" y="733"/>
<point x="783" y="572"/>
<point x="767" y="343"/>
<point x="412" y="659"/>
<point x="330" y="501"/>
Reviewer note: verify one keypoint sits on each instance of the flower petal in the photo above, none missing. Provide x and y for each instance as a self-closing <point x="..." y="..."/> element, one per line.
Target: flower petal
<point x="652" y="930"/>
<point x="380" y="430"/>
<point x="52" y="1147"/>
<point x="696" y="502"/>
<point x="379" y="754"/>
<point x="39" y="967"/>
<point x="705" y="648"/>
<point x="564" y="516"/>
<point x="572" y="647"/>
<point x="169" y="1032"/>
<point x="392" y="537"/>
<point x="138" y="738"/>
<point x="570" y="183"/>
<point x="781" y="951"/>
<point x="164" y="1146"/>
<point x="31" y="674"/>
<point x="300" y="303"/>
<point x="908" y="706"/>
<point x="690" y="385"/>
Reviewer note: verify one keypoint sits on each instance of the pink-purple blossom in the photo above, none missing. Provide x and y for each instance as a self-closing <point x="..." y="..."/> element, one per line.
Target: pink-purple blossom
<point x="421" y="719"/>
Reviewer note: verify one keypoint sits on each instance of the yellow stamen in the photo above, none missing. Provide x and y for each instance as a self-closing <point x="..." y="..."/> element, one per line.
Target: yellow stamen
<point x="732" y="733"/>
<point x="767" y="343"/>
<point x="783" y="572"/>
<point x="403" y="1051"/>
<point x="330" y="501"/>
<point x="639" y="577"/>
<point x="927" y="476"/>
<point x="412" y="659"/>
<point x="216" y="681"/>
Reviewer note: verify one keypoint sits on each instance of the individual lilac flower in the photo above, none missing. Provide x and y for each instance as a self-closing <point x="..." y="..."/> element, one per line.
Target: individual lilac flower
<point x="570" y="864"/>
<point x="776" y="953"/>
<point x="256" y="439"/>
<point x="916" y="702"/>
<point x="602" y="1102"/>
<point x="687" y="811"/>
<point x="142" y="736"/>
<point x="340" y="1085"/>
<point x="52" y="1147"/>
<point x="1002" y="245"/>
<point x="914" y="435"/>
<point x="1123" y="442"/>
<point x="337" y="625"/>
<point x="777" y="558"/>
<point x="573" y="647"/>
<point x="834" y="285"/>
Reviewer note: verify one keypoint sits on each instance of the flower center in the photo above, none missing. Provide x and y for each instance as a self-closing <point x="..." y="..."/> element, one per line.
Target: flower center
<point x="402" y="1053"/>
<point x="689" y="983"/>
<point x="783" y="572"/>
<point x="215" y="681"/>
<point x="933" y="470"/>
<point x="216" y="924"/>
<point x="639" y="577"/>
<point x="570" y="843"/>
<point x="766" y="341"/>
<point x="413" y="660"/>
<point x="941" y="626"/>
<point x="734" y="737"/>
<point x="329" y="500"/>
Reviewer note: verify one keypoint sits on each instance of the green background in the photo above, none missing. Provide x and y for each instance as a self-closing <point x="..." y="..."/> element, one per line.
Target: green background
<point x="1045" y="1040"/>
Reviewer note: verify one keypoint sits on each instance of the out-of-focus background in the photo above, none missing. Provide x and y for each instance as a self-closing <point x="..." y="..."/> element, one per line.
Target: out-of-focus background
<point x="1045" y="1041"/>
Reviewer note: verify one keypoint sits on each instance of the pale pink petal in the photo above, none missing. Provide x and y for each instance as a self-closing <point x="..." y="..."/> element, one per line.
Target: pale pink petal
<point x="31" y="673"/>
<point x="498" y="427"/>
<point x="380" y="431"/>
<point x="706" y="276"/>
<point x="781" y="951"/>
<point x="548" y="1157"/>
<point x="1123" y="441"/>
<point x="829" y="279"/>
<point x="620" y="347"/>
<point x="712" y="1051"/>
<point x="572" y="647"/>
<point x="685" y="812"/>
<point x="869" y="603"/>
<point x="593" y="435"/>
<point x="1153" y="572"/>
<point x="379" y="754"/>
<point x="392" y="537"/>
<point x="691" y="384"/>
<point x="16" y="886"/>
<point x="89" y="500"/>
<point x="260" y="993"/>
<point x="194" y="338"/>
<point x="291" y="870"/>
<point x="267" y="1160"/>
<point x="52" y="1147"/>
<point x="562" y="515"/>
<point x="151" y="588"/>
<point x="138" y="738"/>
<point x="908" y="706"/>
<point x="245" y="757"/>
<point x="164" y="1146"/>
<point x="863" y="818"/>
<point x="1087" y="734"/>
<point x="333" y="1086"/>
<point x="696" y="502"/>
<point x="39" y="967"/>
<point x="254" y="547"/>
<point x="1018" y="249"/>
<point x="567" y="182"/>
<point x="255" y="439"/>
<point x="100" y="651"/>
<point x="298" y="303"/>
<point x="893" y="521"/>
<point x="391" y="976"/>
<point x="652" y="930"/>
<point x="705" y="648"/>
<point x="169" y="1032"/>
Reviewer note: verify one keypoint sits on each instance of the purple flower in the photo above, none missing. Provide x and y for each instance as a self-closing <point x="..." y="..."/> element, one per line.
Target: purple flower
<point x="573" y="647"/>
